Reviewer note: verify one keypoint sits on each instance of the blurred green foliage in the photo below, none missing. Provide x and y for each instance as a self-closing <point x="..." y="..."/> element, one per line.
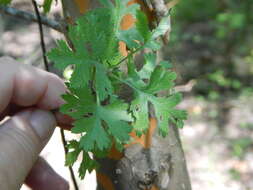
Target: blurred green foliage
<point x="227" y="14"/>
<point x="213" y="42"/>
<point x="196" y="10"/>
<point x="219" y="78"/>
<point x="240" y="146"/>
<point x="235" y="174"/>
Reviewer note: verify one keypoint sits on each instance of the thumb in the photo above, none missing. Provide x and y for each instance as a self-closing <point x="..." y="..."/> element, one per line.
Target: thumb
<point x="21" y="139"/>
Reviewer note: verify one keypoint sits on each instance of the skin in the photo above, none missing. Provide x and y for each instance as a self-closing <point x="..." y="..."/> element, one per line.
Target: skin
<point x="27" y="95"/>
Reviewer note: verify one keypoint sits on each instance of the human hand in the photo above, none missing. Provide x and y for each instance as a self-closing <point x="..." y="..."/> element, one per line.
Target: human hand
<point x="27" y="94"/>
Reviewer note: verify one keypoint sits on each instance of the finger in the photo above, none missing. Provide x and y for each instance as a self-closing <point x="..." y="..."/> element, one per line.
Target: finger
<point x="11" y="110"/>
<point x="42" y="177"/>
<point x="27" y="86"/>
<point x="63" y="121"/>
<point x="21" y="139"/>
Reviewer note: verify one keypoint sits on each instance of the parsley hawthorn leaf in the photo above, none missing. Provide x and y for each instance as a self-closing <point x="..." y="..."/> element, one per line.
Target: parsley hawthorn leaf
<point x="149" y="66"/>
<point x="94" y="35"/>
<point x="96" y="136"/>
<point x="78" y="103"/>
<point x="146" y="94"/>
<point x="72" y="155"/>
<point x="102" y="82"/>
<point x="140" y="36"/>
<point x="139" y="109"/>
<point x="142" y="25"/>
<point x="97" y="123"/>
<point x="111" y="120"/>
<point x="130" y="37"/>
<point x="94" y="98"/>
<point x="87" y="164"/>
<point x="160" y="80"/>
<point x="63" y="56"/>
<point x="116" y="117"/>
<point x="164" y="110"/>
<point x="93" y="39"/>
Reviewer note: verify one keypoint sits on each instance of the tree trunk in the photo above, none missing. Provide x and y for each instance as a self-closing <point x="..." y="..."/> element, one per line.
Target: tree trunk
<point x="150" y="162"/>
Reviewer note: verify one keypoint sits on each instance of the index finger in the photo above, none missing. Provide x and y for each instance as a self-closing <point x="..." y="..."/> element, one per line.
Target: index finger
<point x="28" y="86"/>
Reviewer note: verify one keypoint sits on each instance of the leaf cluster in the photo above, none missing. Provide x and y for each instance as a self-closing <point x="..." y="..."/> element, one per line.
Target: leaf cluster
<point x="102" y="117"/>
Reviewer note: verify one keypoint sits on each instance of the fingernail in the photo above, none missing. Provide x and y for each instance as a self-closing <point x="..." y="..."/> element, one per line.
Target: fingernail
<point x="43" y="123"/>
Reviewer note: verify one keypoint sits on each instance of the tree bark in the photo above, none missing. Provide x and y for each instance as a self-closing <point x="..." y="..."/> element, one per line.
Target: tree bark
<point x="150" y="162"/>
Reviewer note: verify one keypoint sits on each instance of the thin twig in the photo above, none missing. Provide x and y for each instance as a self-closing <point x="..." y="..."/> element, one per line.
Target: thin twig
<point x="43" y="47"/>
<point x="129" y="55"/>
<point x="186" y="87"/>
<point x="72" y="174"/>
<point x="42" y="42"/>
<point x="31" y="17"/>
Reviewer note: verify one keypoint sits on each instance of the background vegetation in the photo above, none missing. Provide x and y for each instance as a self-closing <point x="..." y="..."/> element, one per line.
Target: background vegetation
<point x="212" y="44"/>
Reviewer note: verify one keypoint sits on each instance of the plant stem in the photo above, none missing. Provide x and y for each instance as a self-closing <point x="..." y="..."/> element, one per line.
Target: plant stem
<point x="43" y="47"/>
<point x="42" y="42"/>
<point x="130" y="54"/>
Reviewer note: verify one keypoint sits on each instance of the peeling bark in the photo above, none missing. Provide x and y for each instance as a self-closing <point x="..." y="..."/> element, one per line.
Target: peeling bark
<point x="161" y="166"/>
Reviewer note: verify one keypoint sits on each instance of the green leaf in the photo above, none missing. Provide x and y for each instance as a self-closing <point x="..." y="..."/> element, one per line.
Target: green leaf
<point x="160" y="80"/>
<point x="72" y="156"/>
<point x="47" y="6"/>
<point x="96" y="136"/>
<point x="78" y="103"/>
<point x="97" y="123"/>
<point x="103" y="84"/>
<point x="114" y="117"/>
<point x="131" y="37"/>
<point x="94" y="100"/>
<point x="139" y="108"/>
<point x="142" y="25"/>
<point x="94" y="35"/>
<point x="87" y="164"/>
<point x="81" y="75"/>
<point x="153" y="45"/>
<point x="164" y="110"/>
<point x="5" y="2"/>
<point x="137" y="36"/>
<point x="149" y="66"/>
<point x="63" y="56"/>
<point x="117" y="118"/>
<point x="140" y="36"/>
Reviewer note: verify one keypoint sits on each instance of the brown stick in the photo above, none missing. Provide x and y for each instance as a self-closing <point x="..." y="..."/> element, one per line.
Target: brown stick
<point x="160" y="8"/>
<point x="43" y="47"/>
<point x="31" y="17"/>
